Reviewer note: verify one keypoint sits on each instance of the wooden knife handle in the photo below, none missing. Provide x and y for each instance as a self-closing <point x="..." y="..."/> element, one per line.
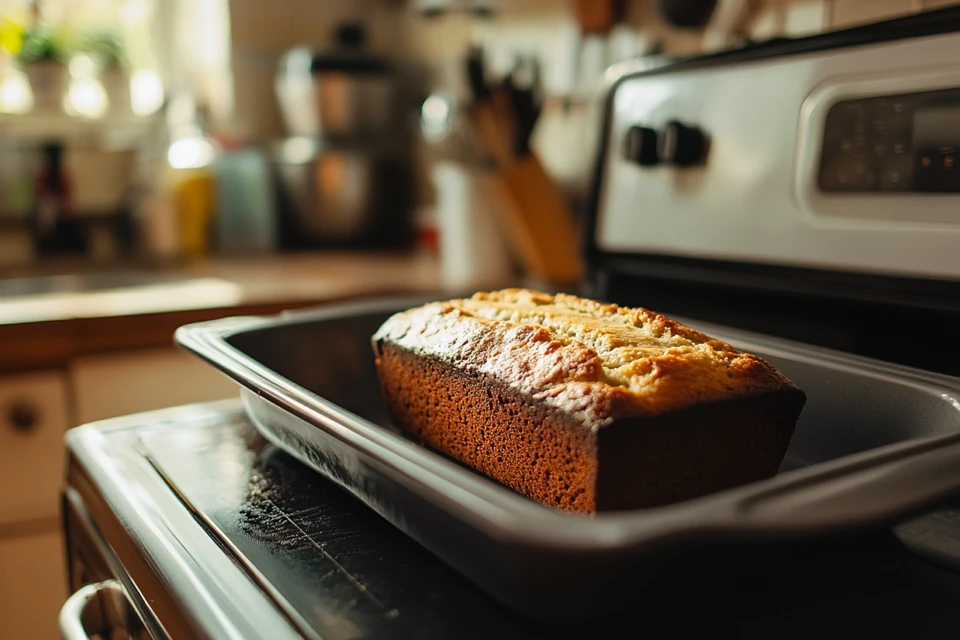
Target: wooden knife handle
<point x="597" y="16"/>
<point x="541" y="222"/>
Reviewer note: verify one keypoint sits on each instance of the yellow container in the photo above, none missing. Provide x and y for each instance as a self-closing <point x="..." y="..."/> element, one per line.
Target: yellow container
<point x="193" y="196"/>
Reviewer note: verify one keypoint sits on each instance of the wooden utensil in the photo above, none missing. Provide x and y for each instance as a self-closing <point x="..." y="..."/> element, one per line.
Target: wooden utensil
<point x="539" y="223"/>
<point x="597" y="16"/>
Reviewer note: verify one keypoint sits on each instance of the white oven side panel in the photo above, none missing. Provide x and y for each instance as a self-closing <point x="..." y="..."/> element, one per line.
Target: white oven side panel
<point x="754" y="199"/>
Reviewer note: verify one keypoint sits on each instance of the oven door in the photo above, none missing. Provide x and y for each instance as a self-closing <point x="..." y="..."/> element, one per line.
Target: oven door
<point x="100" y="607"/>
<point x="138" y="560"/>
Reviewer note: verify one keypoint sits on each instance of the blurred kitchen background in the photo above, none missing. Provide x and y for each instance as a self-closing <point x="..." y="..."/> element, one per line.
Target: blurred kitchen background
<point x="140" y="132"/>
<point x="170" y="161"/>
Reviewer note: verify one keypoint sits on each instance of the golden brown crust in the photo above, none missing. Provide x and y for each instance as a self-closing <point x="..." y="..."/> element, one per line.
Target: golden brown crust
<point x="594" y="362"/>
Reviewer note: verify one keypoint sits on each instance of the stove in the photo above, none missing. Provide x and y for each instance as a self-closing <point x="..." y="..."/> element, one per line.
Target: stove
<point x="807" y="188"/>
<point x="208" y="531"/>
<point x="803" y="189"/>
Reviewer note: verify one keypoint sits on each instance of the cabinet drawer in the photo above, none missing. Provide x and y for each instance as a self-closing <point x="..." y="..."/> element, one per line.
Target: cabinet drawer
<point x="110" y="385"/>
<point x="33" y="420"/>
<point x="33" y="586"/>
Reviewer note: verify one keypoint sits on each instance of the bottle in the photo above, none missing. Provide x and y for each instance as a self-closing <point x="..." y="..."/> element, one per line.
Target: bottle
<point x="55" y="230"/>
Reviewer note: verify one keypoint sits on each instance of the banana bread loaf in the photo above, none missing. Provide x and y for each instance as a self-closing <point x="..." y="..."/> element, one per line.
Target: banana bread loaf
<point x="581" y="405"/>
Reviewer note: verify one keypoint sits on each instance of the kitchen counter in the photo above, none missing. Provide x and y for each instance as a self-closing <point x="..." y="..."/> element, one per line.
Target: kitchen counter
<point x="46" y="320"/>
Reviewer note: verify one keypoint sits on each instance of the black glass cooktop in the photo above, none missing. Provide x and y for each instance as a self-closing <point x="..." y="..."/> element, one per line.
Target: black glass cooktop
<point x="341" y="572"/>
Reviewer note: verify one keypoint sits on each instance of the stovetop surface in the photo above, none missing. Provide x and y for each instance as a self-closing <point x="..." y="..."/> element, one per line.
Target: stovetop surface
<point x="339" y="571"/>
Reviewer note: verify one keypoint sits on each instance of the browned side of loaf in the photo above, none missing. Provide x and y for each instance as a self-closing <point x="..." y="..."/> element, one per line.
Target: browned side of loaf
<point x="708" y="447"/>
<point x="491" y="429"/>
<point x="548" y="456"/>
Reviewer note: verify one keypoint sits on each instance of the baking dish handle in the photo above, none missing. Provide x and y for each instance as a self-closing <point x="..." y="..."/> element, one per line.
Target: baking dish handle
<point x="101" y="609"/>
<point x="846" y="495"/>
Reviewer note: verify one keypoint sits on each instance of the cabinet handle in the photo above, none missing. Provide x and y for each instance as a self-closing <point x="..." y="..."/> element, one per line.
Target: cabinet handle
<point x="23" y="415"/>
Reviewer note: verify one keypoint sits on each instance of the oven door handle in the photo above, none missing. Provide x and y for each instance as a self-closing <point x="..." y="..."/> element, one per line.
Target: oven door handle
<point x="101" y="608"/>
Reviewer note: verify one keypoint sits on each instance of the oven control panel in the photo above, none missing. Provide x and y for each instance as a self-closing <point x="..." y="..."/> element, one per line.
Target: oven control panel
<point x="901" y="143"/>
<point x="842" y="159"/>
<point x="882" y="146"/>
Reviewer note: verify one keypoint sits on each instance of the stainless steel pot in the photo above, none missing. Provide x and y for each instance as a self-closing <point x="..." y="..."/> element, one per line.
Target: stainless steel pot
<point x="343" y="196"/>
<point x="344" y="92"/>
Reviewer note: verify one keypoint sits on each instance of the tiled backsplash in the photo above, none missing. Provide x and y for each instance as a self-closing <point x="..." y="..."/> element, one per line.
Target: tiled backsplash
<point x="797" y="18"/>
<point x="765" y="19"/>
<point x="566" y="135"/>
<point x="761" y="19"/>
<point x="548" y="28"/>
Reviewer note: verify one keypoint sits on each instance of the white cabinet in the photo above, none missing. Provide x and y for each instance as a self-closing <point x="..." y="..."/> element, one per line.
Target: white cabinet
<point x="33" y="420"/>
<point x="33" y="586"/>
<point x="34" y="414"/>
<point x="36" y="409"/>
<point x="110" y="385"/>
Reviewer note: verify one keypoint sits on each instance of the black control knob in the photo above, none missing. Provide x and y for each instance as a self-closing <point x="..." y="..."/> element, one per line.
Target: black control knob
<point x="641" y="146"/>
<point x="681" y="145"/>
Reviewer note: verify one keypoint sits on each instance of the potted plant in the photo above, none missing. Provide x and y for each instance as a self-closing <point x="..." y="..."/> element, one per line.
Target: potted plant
<point x="106" y="47"/>
<point x="42" y="55"/>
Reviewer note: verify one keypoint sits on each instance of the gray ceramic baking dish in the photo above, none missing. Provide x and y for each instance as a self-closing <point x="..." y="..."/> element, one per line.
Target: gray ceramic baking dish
<point x="875" y="443"/>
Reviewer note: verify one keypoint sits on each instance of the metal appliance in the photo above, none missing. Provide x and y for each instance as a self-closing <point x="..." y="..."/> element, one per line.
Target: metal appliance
<point x="209" y="531"/>
<point x="344" y="175"/>
<point x="332" y="195"/>
<point x="802" y="188"/>
<point x="347" y="91"/>
<point x="718" y="196"/>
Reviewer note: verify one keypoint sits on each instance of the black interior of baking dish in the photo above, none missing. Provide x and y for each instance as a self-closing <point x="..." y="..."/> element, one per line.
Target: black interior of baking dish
<point x="848" y="410"/>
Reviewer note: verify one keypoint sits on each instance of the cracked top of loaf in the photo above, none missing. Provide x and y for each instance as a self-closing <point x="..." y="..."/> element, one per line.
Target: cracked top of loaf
<point x="597" y="362"/>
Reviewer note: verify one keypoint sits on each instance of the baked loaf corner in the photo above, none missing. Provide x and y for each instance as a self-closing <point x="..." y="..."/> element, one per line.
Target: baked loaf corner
<point x="583" y="405"/>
